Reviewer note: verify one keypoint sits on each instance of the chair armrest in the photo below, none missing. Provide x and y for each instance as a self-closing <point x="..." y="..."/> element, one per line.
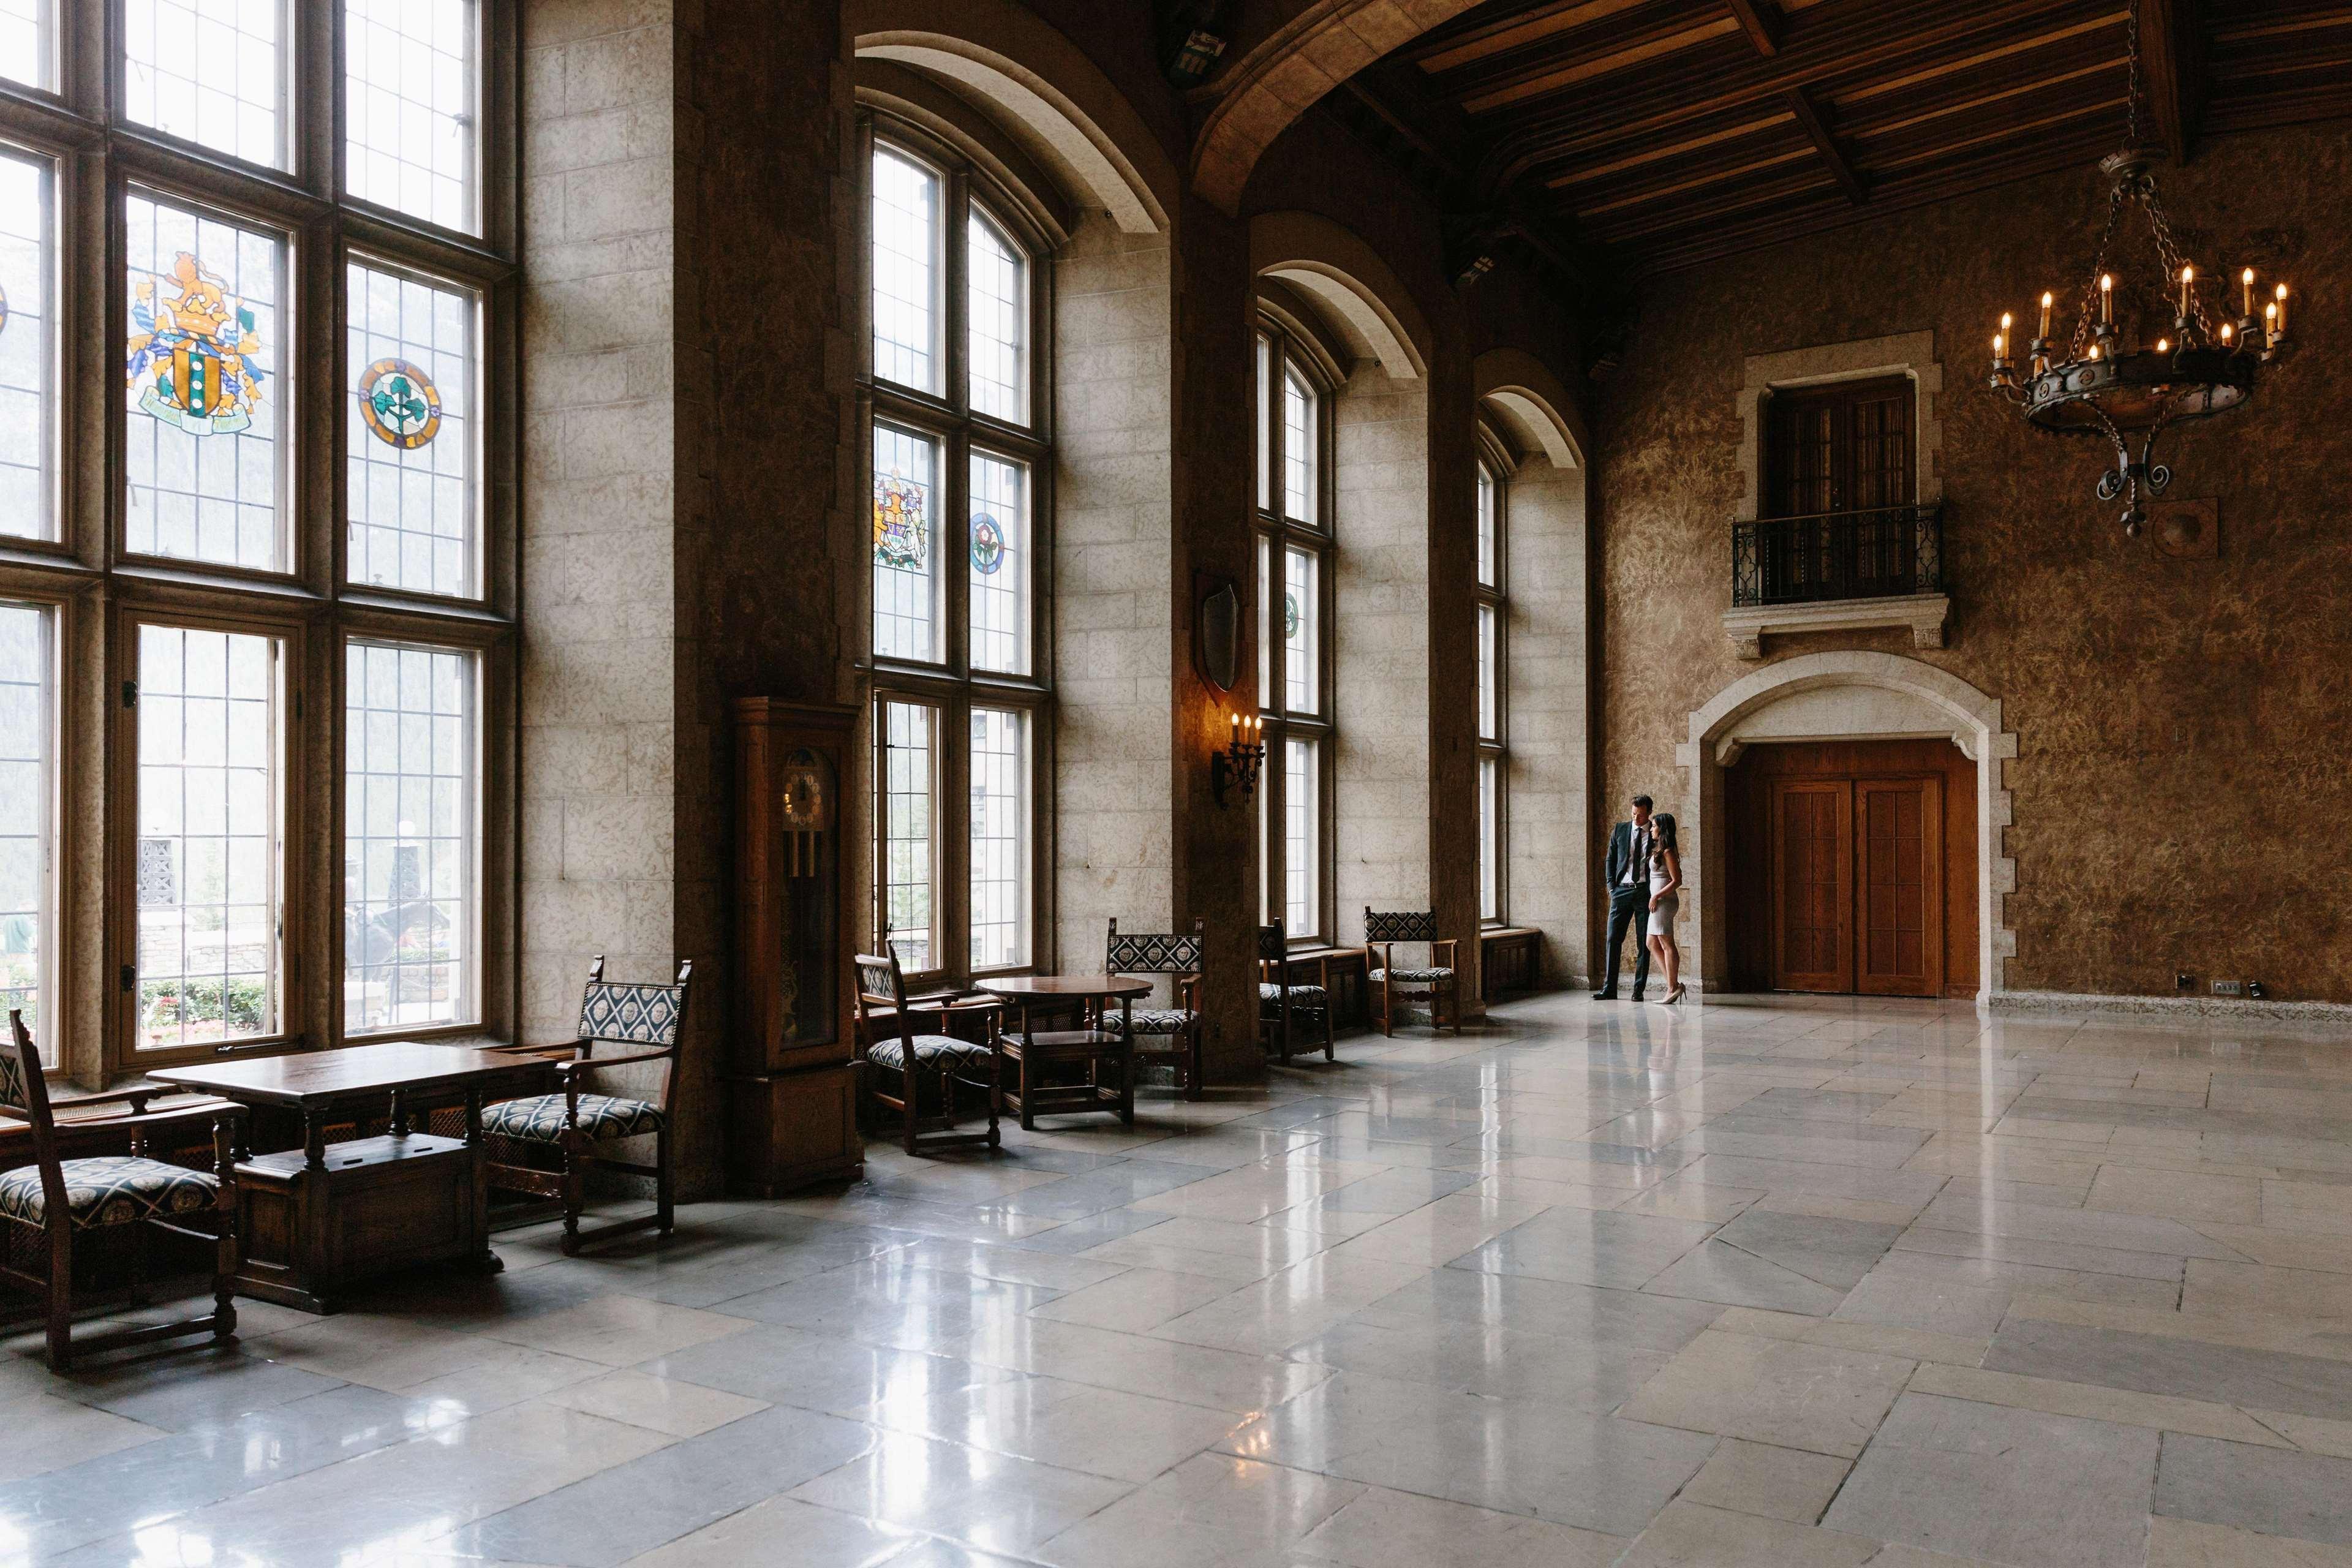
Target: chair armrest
<point x="136" y="1099"/>
<point x="589" y="1064"/>
<point x="108" y="1129"/>
<point x="1323" y="972"/>
<point x="1452" y="946"/>
<point x="1189" y="985"/>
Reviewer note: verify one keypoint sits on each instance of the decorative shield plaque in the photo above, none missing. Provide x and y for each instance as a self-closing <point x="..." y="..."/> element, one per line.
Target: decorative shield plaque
<point x="1217" y="630"/>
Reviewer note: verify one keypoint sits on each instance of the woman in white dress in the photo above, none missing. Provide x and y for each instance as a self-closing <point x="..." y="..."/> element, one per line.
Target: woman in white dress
<point x="1665" y="888"/>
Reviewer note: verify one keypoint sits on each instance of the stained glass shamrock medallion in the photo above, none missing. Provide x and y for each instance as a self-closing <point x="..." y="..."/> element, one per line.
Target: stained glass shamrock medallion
<point x="901" y="531"/>
<point x="193" y="351"/>
<point x="987" y="545"/>
<point x="1290" y="618"/>
<point x="399" y="404"/>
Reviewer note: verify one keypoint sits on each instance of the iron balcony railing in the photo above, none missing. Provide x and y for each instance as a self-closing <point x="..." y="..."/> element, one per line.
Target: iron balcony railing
<point x="1879" y="552"/>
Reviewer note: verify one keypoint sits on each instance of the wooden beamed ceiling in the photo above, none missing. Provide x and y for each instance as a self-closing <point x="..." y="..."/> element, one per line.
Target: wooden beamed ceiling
<point x="1668" y="132"/>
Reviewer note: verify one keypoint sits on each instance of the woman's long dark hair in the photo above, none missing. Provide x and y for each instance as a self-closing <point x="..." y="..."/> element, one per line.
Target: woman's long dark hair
<point x="1663" y="829"/>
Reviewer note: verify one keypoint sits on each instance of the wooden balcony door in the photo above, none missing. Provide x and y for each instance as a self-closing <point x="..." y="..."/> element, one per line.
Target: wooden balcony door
<point x="1857" y="894"/>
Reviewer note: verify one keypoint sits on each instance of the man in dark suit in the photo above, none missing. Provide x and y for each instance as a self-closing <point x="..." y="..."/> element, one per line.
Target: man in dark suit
<point x="1629" y="899"/>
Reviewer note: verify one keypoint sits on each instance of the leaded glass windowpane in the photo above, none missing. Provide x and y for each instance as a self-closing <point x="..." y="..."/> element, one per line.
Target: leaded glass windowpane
<point x="1489" y="706"/>
<point x="1297" y="447"/>
<point x="1300" y="632"/>
<point x="907" y="268"/>
<point x="909" y="849"/>
<point x="409" y="441"/>
<point x="1000" y="839"/>
<point x="1486" y="519"/>
<point x="208" y="852"/>
<point x="906" y="539"/>
<point x="1490" y="805"/>
<point x="410" y="107"/>
<point x="27" y="824"/>
<point x="28" y="349"/>
<point x="999" y="564"/>
<point x="997" y="300"/>
<point x="1265" y="421"/>
<point x="204" y="466"/>
<point x="208" y="71"/>
<point x="25" y="41"/>
<point x="1301" y="819"/>
<point x="410" y="909"/>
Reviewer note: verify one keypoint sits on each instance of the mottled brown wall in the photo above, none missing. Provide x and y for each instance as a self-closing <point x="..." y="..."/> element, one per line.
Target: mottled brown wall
<point x="2180" y="786"/>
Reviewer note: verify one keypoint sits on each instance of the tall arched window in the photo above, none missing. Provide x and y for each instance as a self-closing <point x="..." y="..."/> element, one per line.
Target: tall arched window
<point x="1293" y="594"/>
<point x="959" y="465"/>
<point x="1494" y="685"/>
<point x="258" y="454"/>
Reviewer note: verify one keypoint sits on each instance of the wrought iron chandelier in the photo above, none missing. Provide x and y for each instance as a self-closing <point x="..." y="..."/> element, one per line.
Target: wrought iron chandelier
<point x="2107" y="380"/>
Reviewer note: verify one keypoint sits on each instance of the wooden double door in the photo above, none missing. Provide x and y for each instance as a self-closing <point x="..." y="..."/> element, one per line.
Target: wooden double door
<point x="1844" y="880"/>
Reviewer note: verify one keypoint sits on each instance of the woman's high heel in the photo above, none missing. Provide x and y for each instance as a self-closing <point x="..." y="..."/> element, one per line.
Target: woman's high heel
<point x="1671" y="997"/>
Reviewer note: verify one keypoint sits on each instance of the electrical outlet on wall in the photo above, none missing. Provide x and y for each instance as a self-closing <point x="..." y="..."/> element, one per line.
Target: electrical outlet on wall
<point x="2184" y="980"/>
<point x="2254" y="990"/>
<point x="2226" y="988"/>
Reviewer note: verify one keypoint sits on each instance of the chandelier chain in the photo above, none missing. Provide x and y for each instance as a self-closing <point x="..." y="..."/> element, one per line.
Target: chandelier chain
<point x="2131" y="91"/>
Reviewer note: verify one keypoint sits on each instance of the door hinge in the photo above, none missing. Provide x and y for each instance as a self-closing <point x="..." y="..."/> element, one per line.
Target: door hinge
<point x="130" y="694"/>
<point x="130" y="978"/>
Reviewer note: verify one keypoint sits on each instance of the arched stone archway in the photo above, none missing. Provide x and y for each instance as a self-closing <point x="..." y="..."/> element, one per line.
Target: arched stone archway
<point x="1278" y="77"/>
<point x="1847" y="695"/>
<point x="1339" y="270"/>
<point x="1040" y="87"/>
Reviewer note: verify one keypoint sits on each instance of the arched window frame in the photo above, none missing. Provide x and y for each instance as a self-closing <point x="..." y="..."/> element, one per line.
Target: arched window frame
<point x="1296" y="888"/>
<point x="925" y="709"/>
<point x="1493" y="506"/>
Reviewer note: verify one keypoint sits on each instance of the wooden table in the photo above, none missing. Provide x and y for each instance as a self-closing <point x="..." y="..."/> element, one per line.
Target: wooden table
<point x="1091" y="1047"/>
<point x="313" y="1219"/>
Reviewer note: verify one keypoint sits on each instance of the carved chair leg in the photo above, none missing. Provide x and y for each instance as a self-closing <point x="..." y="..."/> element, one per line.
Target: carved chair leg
<point x="60" y="1303"/>
<point x="1193" y="1090"/>
<point x="225" y="1250"/>
<point x="911" y="1087"/>
<point x="1331" y="1050"/>
<point x="664" y="1203"/>
<point x="573" y="1189"/>
<point x="995" y="1097"/>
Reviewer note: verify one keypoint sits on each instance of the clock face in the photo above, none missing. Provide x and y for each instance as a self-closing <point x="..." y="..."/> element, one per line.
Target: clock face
<point x="807" y="789"/>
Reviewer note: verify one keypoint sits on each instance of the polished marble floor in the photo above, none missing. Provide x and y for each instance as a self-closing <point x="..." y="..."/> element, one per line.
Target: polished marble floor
<point x="1763" y="1286"/>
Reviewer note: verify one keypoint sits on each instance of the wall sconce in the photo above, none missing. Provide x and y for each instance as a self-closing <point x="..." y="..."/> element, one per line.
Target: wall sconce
<point x="1236" y="761"/>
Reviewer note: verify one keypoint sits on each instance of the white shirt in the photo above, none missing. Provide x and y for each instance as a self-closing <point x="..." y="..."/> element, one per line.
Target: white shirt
<point x="1637" y="862"/>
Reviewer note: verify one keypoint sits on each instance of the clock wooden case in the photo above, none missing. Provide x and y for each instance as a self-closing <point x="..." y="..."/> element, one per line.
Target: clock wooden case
<point x="792" y="1088"/>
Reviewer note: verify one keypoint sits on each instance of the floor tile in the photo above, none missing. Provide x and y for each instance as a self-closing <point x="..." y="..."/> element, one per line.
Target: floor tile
<point x="1384" y="1529"/>
<point x="1798" y="1395"/>
<point x="992" y="1501"/>
<point x="784" y="1530"/>
<point x="618" y="1330"/>
<point x="2183" y="1543"/>
<point x="1585" y="1248"/>
<point x="2010" y="1486"/>
<point x="662" y="1404"/>
<point x="1690" y="1535"/>
<point x="2305" y="1496"/>
<point x="1210" y="1511"/>
<point x="1070" y="1425"/>
<point x="1761" y="1479"/>
<point x="1595" y="1472"/>
<point x="2190" y="1369"/>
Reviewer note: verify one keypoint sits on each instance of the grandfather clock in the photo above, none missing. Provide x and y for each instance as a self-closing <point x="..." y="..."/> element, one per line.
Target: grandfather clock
<point x="792" y="1088"/>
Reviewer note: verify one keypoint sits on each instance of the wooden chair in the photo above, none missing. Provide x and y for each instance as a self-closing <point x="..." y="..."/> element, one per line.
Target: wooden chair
<point x="649" y="1016"/>
<point x="907" y="1060"/>
<point x="1279" y="1000"/>
<point x="1183" y="957"/>
<point x="1390" y="985"/>
<point x="63" y="1198"/>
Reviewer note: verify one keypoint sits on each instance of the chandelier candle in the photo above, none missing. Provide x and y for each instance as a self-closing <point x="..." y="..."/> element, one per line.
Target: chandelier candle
<point x="2103" y="383"/>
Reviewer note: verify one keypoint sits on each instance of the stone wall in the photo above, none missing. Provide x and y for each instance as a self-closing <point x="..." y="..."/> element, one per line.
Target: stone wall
<point x="1111" y="609"/>
<point x="2175" y="798"/>
<point x="1380" y="636"/>
<point x="1550" y="798"/>
<point x="601" y="340"/>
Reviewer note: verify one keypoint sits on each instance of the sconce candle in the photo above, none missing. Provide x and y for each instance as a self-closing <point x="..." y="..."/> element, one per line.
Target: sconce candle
<point x="2246" y="281"/>
<point x="2107" y="299"/>
<point x="2045" y="314"/>
<point x="2282" y="310"/>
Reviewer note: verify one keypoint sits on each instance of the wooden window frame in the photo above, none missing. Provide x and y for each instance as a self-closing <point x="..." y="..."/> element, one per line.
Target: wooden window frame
<point x="1276" y="533"/>
<point x="1494" y="459"/>
<point x="950" y="685"/>
<point x="103" y="590"/>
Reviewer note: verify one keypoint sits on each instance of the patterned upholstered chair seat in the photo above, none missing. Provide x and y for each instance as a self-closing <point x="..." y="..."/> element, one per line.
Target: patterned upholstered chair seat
<point x="1404" y="977"/>
<point x="110" y="1189"/>
<point x="1161" y="1020"/>
<point x="934" y="1051"/>
<point x="540" y="1119"/>
<point x="1308" y="996"/>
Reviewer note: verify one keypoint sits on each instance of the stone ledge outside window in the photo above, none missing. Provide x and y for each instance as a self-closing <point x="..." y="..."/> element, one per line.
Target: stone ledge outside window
<point x="1925" y="614"/>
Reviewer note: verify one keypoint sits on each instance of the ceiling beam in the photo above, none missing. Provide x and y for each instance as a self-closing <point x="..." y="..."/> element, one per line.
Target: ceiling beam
<point x="1800" y="104"/>
<point x="2172" y="57"/>
<point x="1761" y="21"/>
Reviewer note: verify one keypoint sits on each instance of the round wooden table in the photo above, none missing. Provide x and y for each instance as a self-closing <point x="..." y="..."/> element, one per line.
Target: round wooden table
<point x="1093" y="1048"/>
